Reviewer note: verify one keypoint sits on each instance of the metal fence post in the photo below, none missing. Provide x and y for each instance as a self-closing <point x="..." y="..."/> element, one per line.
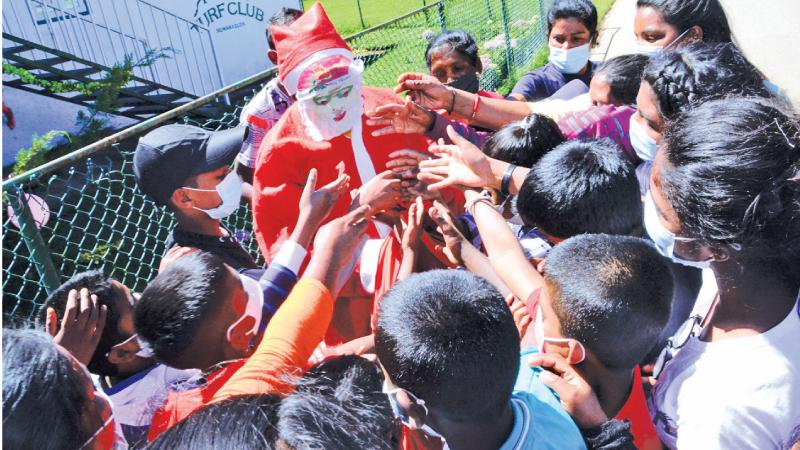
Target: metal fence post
<point x="360" y="14"/>
<point x="506" y="31"/>
<point x="542" y="16"/>
<point x="440" y="10"/>
<point x="40" y="253"/>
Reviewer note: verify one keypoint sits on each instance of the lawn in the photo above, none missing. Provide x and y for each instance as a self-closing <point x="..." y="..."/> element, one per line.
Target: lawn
<point x="344" y="13"/>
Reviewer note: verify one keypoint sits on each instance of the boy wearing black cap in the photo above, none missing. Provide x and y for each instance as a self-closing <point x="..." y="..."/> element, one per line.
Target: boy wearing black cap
<point x="187" y="169"/>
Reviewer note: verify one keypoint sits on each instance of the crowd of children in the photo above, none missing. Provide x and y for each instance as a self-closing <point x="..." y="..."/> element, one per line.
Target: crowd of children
<point x="608" y="258"/>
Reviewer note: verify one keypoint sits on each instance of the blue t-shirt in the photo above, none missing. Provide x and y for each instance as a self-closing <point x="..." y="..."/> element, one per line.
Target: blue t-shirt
<point x="543" y="82"/>
<point x="541" y="423"/>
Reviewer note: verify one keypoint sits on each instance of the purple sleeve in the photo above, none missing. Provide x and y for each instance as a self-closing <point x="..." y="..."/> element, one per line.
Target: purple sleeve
<point x="439" y="130"/>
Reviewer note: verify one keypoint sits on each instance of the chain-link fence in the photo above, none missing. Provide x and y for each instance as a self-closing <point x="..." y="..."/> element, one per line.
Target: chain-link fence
<point x="88" y="214"/>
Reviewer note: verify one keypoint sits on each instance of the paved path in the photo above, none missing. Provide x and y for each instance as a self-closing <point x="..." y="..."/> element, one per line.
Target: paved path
<point x="766" y="31"/>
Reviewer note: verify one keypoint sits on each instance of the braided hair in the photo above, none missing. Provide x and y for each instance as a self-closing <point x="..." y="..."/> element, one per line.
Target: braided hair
<point x="701" y="72"/>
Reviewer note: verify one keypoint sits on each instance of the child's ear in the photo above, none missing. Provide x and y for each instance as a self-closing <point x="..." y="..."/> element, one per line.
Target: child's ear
<point x="576" y="352"/>
<point x="181" y="199"/>
<point x="239" y="336"/>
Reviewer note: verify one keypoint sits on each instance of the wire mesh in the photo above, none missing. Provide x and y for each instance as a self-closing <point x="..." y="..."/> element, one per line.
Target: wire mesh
<point x="98" y="219"/>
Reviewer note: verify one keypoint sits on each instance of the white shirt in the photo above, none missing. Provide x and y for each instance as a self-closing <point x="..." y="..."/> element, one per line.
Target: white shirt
<point x="136" y="398"/>
<point x="260" y="114"/>
<point x="741" y="393"/>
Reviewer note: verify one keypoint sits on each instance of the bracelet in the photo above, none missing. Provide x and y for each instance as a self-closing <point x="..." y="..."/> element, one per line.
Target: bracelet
<point x="475" y="106"/>
<point x="484" y="196"/>
<point x="507" y="179"/>
<point x="453" y="103"/>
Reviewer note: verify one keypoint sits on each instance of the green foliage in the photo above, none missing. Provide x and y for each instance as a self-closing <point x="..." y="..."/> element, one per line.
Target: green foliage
<point x="99" y="253"/>
<point x="92" y="123"/>
<point x="37" y="154"/>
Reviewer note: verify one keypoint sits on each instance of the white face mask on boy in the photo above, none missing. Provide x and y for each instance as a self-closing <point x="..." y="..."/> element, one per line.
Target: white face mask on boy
<point x="229" y="191"/>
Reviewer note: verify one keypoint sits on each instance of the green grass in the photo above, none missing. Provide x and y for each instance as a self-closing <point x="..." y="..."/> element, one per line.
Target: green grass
<point x="344" y="13"/>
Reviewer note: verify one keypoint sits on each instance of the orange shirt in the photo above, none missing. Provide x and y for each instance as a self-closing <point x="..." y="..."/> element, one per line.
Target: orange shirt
<point x="635" y="410"/>
<point x="291" y="336"/>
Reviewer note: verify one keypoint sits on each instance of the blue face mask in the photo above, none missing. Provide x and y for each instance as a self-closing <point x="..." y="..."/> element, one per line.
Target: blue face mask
<point x="571" y="60"/>
<point x="649" y="50"/>
<point x="644" y="146"/>
<point x="664" y="239"/>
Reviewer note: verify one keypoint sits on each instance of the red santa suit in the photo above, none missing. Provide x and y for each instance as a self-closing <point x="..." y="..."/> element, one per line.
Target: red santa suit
<point x="316" y="65"/>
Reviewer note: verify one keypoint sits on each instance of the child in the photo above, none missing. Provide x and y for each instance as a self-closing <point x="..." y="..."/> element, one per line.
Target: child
<point x="603" y="305"/>
<point x="129" y="376"/>
<point x="579" y="187"/>
<point x="263" y="111"/>
<point x="450" y="353"/>
<point x="725" y="187"/>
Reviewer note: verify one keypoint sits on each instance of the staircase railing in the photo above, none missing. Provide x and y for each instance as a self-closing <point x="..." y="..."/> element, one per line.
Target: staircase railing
<point x="104" y="31"/>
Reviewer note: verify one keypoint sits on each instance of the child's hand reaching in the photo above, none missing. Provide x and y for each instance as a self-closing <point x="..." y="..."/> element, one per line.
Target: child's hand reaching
<point x="413" y="231"/>
<point x="453" y="238"/>
<point x="315" y="206"/>
<point x="380" y="193"/>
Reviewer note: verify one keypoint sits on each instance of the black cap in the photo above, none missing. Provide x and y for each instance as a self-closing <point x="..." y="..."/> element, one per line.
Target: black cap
<point x="167" y="156"/>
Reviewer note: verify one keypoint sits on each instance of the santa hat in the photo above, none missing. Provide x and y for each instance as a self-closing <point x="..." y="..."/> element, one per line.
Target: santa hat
<point x="307" y="40"/>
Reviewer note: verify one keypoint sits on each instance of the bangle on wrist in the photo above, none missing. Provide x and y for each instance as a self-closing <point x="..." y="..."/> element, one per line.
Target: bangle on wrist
<point x="507" y="179"/>
<point x="475" y="106"/>
<point x="484" y="196"/>
<point x="453" y="102"/>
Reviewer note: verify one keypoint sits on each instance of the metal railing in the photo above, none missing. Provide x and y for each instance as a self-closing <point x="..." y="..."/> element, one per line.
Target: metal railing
<point x="96" y="217"/>
<point x="104" y="31"/>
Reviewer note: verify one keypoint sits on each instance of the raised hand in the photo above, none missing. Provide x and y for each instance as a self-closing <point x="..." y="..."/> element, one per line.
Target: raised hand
<point x="575" y="393"/>
<point x="462" y="164"/>
<point x="453" y="238"/>
<point x="318" y="203"/>
<point x="426" y="91"/>
<point x="380" y="193"/>
<point x="81" y="326"/>
<point x="408" y="118"/>
<point x="412" y="234"/>
<point x="315" y="205"/>
<point x="335" y="247"/>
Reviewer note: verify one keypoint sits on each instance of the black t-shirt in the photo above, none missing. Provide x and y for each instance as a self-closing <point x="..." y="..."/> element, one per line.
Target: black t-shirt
<point x="224" y="247"/>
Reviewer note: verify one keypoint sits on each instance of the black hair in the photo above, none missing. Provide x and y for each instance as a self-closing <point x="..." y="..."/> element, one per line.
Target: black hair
<point x="458" y="41"/>
<point x="684" y="14"/>
<point x="44" y="396"/>
<point x="448" y="337"/>
<point x="732" y="175"/>
<point x="700" y="72"/>
<point x="100" y="285"/>
<point x="175" y="304"/>
<point x="284" y="16"/>
<point x="624" y="75"/>
<point x="582" y="187"/>
<point x="524" y="142"/>
<point x="247" y="421"/>
<point x="338" y="404"/>
<point x="583" y="10"/>
<point x="612" y="293"/>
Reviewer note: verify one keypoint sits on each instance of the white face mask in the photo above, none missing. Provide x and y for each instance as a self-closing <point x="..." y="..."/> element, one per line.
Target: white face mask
<point x="571" y="60"/>
<point x="649" y="50"/>
<point x="229" y="191"/>
<point x="664" y="239"/>
<point x="541" y="339"/>
<point x="254" y="307"/>
<point x="333" y="110"/>
<point x="644" y="146"/>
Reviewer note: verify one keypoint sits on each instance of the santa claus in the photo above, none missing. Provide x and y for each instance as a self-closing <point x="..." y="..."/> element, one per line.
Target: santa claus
<point x="325" y="129"/>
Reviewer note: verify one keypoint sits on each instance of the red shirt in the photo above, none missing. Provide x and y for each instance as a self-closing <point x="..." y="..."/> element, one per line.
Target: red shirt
<point x="287" y="154"/>
<point x="635" y="410"/>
